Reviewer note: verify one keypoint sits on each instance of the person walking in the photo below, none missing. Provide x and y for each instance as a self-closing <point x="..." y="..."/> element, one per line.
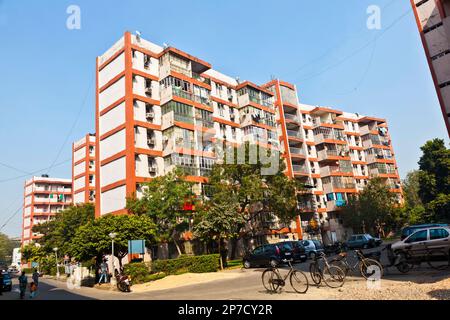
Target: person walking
<point x="35" y="278"/>
<point x="103" y="272"/>
<point x="23" y="282"/>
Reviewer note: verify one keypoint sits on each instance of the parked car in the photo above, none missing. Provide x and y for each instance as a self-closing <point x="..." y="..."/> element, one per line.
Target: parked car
<point x="407" y="231"/>
<point x="362" y="241"/>
<point x="267" y="255"/>
<point x="312" y="247"/>
<point x="421" y="240"/>
<point x="298" y="251"/>
<point x="7" y="282"/>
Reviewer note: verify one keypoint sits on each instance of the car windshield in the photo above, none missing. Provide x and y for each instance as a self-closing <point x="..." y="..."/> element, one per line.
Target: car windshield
<point x="285" y="246"/>
<point x="368" y="236"/>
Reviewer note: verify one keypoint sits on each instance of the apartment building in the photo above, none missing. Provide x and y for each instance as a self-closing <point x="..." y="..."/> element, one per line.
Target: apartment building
<point x="159" y="107"/>
<point x="83" y="169"/>
<point x="43" y="198"/>
<point x="433" y="21"/>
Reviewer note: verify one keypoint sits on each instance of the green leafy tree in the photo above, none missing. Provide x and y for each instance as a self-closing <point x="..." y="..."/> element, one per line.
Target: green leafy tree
<point x="217" y="219"/>
<point x="93" y="239"/>
<point x="413" y="209"/>
<point x="434" y="180"/>
<point x="6" y="247"/>
<point x="373" y="210"/>
<point x="254" y="194"/>
<point x="163" y="201"/>
<point x="60" y="231"/>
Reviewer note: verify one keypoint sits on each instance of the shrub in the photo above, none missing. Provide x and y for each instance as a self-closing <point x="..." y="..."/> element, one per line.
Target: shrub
<point x="138" y="271"/>
<point x="194" y="264"/>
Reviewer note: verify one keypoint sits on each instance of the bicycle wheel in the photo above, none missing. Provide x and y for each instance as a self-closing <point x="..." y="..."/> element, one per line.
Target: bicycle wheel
<point x="299" y="281"/>
<point x="315" y="273"/>
<point x="370" y="268"/>
<point x="341" y="265"/>
<point x="333" y="276"/>
<point x="438" y="259"/>
<point x="271" y="280"/>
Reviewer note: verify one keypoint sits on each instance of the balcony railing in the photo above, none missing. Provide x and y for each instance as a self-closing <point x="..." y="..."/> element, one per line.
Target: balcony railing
<point x="190" y="96"/>
<point x="292" y="117"/>
<point x="299" y="168"/>
<point x="261" y="102"/>
<point x="297" y="151"/>
<point x="295" y="134"/>
<point x="200" y="78"/>
<point x="202" y="100"/>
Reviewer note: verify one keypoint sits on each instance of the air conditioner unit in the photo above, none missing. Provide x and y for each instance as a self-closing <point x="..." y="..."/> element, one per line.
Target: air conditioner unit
<point x="152" y="169"/>
<point x="151" y="141"/>
<point x="150" y="115"/>
<point x="148" y="90"/>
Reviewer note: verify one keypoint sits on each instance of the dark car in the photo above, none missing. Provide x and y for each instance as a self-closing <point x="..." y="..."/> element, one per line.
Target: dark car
<point x="407" y="231"/>
<point x="7" y="282"/>
<point x="362" y="241"/>
<point x="298" y="250"/>
<point x="312" y="247"/>
<point x="267" y="255"/>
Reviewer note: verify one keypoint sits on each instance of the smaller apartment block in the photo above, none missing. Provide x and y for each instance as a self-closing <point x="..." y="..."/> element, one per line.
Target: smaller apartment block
<point x="433" y="21"/>
<point x="83" y="170"/>
<point x="43" y="198"/>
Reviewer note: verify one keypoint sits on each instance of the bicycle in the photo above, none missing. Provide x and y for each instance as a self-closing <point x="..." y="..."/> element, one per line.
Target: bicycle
<point x="332" y="276"/>
<point x="437" y="259"/>
<point x="273" y="281"/>
<point x="366" y="266"/>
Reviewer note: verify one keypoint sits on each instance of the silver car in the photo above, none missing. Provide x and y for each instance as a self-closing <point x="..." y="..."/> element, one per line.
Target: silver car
<point x="312" y="247"/>
<point x="424" y="240"/>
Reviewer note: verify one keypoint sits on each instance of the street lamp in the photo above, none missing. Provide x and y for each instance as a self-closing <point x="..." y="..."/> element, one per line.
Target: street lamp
<point x="112" y="235"/>
<point x="56" y="256"/>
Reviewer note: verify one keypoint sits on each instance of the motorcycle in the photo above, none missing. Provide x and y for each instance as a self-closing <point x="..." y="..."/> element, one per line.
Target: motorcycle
<point x="398" y="260"/>
<point x="123" y="282"/>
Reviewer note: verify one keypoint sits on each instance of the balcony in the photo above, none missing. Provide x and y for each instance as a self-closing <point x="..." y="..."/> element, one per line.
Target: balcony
<point x="181" y="70"/>
<point x="375" y="172"/>
<point x="372" y="158"/>
<point x="374" y="141"/>
<point x="322" y="137"/>
<point x="198" y="77"/>
<point x="299" y="169"/>
<point x="335" y="205"/>
<point x="332" y="154"/>
<point x="335" y="170"/>
<point x="292" y="117"/>
<point x="295" y="134"/>
<point x="297" y="152"/>
<point x="338" y="184"/>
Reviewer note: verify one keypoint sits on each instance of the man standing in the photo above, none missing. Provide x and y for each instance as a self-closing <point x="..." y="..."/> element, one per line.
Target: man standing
<point x="35" y="278"/>
<point x="103" y="271"/>
<point x="23" y="282"/>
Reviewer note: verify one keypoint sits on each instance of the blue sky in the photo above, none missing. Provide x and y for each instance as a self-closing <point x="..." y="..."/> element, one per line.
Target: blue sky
<point x="47" y="70"/>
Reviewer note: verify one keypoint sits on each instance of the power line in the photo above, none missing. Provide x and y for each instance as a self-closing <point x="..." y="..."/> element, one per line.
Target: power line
<point x="313" y="75"/>
<point x="331" y="49"/>
<point x="72" y="128"/>
<point x="13" y="168"/>
<point x="11" y="217"/>
<point x="37" y="171"/>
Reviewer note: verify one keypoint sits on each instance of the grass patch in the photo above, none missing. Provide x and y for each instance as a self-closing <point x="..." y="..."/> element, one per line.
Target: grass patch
<point x="234" y="263"/>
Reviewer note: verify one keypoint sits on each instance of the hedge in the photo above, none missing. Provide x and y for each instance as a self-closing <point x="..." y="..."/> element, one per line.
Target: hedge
<point x="141" y="272"/>
<point x="184" y="264"/>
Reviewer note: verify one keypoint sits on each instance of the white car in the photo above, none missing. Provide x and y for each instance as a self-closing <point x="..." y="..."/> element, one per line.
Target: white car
<point x="423" y="240"/>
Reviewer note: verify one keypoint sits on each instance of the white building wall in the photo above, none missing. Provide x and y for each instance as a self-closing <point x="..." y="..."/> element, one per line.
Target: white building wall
<point x="111" y="70"/>
<point x="113" y="172"/>
<point x="79" y="169"/>
<point x="113" y="200"/>
<point x="112" y="94"/>
<point x="112" y="145"/>
<point x="79" y="183"/>
<point x="79" y="154"/>
<point x="112" y="119"/>
<point x="79" y="197"/>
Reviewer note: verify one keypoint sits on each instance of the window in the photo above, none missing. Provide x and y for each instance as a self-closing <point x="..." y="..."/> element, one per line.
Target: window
<point x="221" y="108"/>
<point x="259" y="250"/>
<point x="418" y="236"/>
<point x="438" y="234"/>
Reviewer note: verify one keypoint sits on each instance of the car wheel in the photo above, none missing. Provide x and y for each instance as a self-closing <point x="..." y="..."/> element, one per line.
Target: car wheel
<point x="273" y="263"/>
<point x="247" y="264"/>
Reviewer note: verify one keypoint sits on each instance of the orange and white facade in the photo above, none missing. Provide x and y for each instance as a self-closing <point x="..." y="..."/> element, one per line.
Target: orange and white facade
<point x="44" y="197"/>
<point x="160" y="107"/>
<point x="83" y="170"/>
<point x="433" y="21"/>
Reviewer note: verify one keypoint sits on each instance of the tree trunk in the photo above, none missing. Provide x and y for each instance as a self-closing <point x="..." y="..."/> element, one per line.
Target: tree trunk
<point x="220" y="256"/>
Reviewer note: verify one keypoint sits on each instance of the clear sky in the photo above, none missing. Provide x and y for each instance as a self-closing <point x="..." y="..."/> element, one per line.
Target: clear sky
<point x="47" y="70"/>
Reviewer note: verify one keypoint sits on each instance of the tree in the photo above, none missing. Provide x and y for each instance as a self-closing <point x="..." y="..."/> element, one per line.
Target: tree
<point x="434" y="180"/>
<point x="254" y="194"/>
<point x="217" y="219"/>
<point x="93" y="241"/>
<point x="373" y="209"/>
<point x="60" y="231"/>
<point x="6" y="247"/>
<point x="413" y="209"/>
<point x="163" y="201"/>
